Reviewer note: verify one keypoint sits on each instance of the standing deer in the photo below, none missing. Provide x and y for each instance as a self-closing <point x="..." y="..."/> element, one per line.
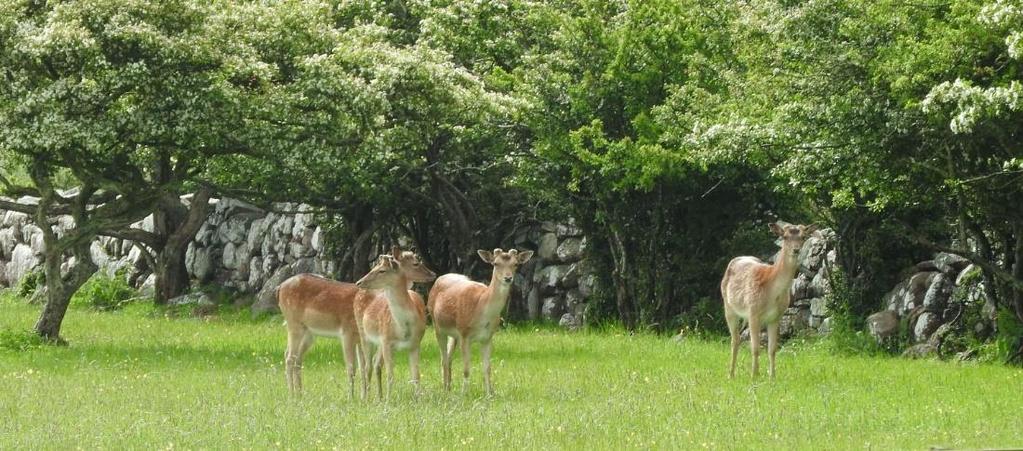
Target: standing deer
<point x="464" y="311"/>
<point x="314" y="305"/>
<point x="759" y="293"/>
<point x="395" y="320"/>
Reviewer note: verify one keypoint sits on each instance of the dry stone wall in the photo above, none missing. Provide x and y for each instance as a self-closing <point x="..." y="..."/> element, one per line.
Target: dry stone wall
<point x="251" y="251"/>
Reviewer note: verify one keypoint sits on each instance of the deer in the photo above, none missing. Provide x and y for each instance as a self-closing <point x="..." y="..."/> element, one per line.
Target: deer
<point x="394" y="320"/>
<point x="465" y="311"/>
<point x="313" y="305"/>
<point x="759" y="293"/>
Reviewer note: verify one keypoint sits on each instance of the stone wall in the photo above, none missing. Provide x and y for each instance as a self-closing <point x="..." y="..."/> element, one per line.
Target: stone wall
<point x="924" y="300"/>
<point x="252" y="251"/>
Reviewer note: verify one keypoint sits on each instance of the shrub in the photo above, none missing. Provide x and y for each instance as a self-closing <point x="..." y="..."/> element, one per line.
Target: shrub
<point x="19" y="340"/>
<point x="103" y="292"/>
<point x="30" y="282"/>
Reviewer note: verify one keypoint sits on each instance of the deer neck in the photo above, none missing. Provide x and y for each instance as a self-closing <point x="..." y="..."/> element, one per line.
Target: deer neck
<point x="400" y="304"/>
<point x="495" y="298"/>
<point x="785" y="266"/>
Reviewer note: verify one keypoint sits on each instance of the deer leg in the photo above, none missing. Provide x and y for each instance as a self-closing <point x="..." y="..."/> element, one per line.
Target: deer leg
<point x="365" y="367"/>
<point x="377" y="366"/>
<point x="348" y="345"/>
<point x="485" y="349"/>
<point x="464" y="342"/>
<point x="413" y="363"/>
<point x="299" y="340"/>
<point x="772" y="344"/>
<point x="445" y="358"/>
<point x="754" y="339"/>
<point x="388" y="354"/>
<point x="734" y="323"/>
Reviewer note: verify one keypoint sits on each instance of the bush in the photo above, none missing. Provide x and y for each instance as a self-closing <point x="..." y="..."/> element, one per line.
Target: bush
<point x="19" y="340"/>
<point x="104" y="293"/>
<point x="30" y="282"/>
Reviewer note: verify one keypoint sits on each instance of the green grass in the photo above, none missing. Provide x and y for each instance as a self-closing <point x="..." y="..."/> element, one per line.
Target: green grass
<point x="133" y="380"/>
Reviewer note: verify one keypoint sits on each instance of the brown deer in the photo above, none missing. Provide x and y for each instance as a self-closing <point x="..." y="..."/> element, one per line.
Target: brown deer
<point x="316" y="306"/>
<point x="759" y="293"/>
<point x="464" y="311"/>
<point x="395" y="320"/>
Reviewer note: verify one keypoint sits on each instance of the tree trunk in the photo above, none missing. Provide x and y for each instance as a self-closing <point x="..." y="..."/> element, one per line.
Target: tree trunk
<point x="620" y="277"/>
<point x="175" y="227"/>
<point x="60" y="287"/>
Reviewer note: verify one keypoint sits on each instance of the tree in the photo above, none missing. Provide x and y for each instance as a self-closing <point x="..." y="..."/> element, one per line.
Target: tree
<point x="133" y="99"/>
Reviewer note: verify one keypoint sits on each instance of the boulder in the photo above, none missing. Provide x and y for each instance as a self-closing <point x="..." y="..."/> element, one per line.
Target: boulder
<point x="800" y="286"/>
<point x="266" y="299"/>
<point x="950" y="263"/>
<point x="909" y="293"/>
<point x="548" y="246"/>
<point x="570" y="321"/>
<point x="938" y="293"/>
<point x="7" y="243"/>
<point x="820" y="285"/>
<point x="925" y="325"/>
<point x="549" y="277"/>
<point x="587" y="285"/>
<point x="819" y="307"/>
<point x="883" y="324"/>
<point x="926" y="266"/>
<point x="794" y="321"/>
<point x="920" y="351"/>
<point x="553" y="307"/>
<point x="316" y="240"/>
<point x="191" y="299"/>
<point x="571" y="249"/>
<point x="568" y="228"/>
<point x="825" y="327"/>
<point x="22" y="261"/>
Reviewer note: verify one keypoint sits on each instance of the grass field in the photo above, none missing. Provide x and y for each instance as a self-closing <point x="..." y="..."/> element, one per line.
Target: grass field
<point x="131" y="379"/>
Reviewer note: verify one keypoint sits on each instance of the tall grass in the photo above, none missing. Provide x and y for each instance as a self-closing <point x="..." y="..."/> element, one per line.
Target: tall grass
<point x="133" y="378"/>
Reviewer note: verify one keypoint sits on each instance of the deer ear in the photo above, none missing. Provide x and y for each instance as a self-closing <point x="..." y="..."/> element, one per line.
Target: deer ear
<point x="777" y="229"/>
<point x="487" y="256"/>
<point x="524" y="257"/>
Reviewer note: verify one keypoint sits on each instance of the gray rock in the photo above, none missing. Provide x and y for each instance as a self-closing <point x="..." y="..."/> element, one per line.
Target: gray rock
<point x="794" y="321"/>
<point x="820" y="286"/>
<point x="191" y="299"/>
<point x="254" y="237"/>
<point x="910" y="293"/>
<point x="967" y="273"/>
<point x="553" y="308"/>
<point x="568" y="228"/>
<point x="816" y="321"/>
<point x="202" y="262"/>
<point x="570" y="321"/>
<point x="549" y="277"/>
<point x="148" y="286"/>
<point x="920" y="351"/>
<point x="23" y="260"/>
<point x="7" y="243"/>
<point x="825" y="327"/>
<point x="587" y="285"/>
<point x="925" y="325"/>
<point x="255" y="272"/>
<point x="316" y="240"/>
<point x="266" y="299"/>
<point x="926" y="266"/>
<point x="574" y="298"/>
<point x="548" y="246"/>
<point x="533" y="303"/>
<point x="800" y="287"/>
<point x="883" y="324"/>
<point x="229" y="257"/>
<point x="819" y="307"/>
<point x="814" y="251"/>
<point x="571" y="249"/>
<point x="938" y="293"/>
<point x="950" y="263"/>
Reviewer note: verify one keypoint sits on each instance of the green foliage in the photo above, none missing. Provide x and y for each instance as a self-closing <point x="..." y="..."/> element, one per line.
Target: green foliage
<point x="30" y="283"/>
<point x="102" y="292"/>
<point x="19" y="340"/>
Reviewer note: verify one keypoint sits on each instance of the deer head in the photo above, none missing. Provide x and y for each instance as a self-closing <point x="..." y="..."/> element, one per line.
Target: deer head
<point x="505" y="263"/>
<point x="390" y="267"/>
<point x="793" y="236"/>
